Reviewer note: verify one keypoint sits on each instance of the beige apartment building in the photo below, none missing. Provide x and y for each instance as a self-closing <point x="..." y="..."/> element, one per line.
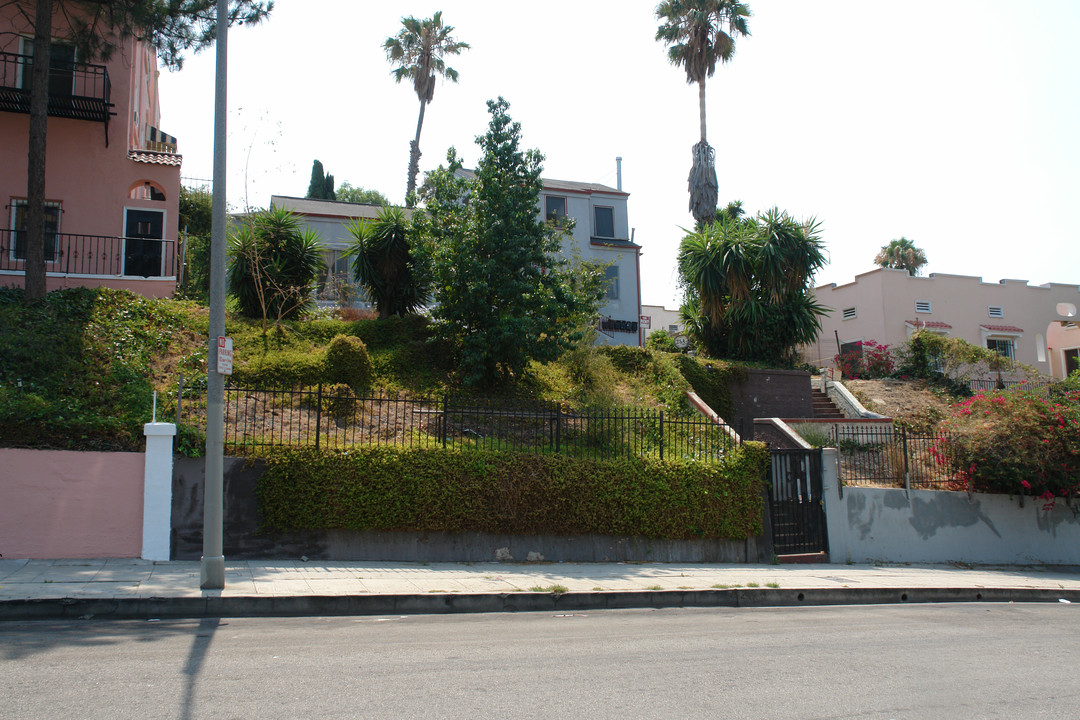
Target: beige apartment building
<point x="1035" y="324"/>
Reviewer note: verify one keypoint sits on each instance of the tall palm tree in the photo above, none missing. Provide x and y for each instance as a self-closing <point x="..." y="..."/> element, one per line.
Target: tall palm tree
<point x="418" y="51"/>
<point x="698" y="33"/>
<point x="902" y="255"/>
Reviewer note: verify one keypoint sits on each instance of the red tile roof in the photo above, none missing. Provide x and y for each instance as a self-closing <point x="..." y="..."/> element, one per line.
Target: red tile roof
<point x="929" y="324"/>
<point x="1002" y="328"/>
<point x="155" y="158"/>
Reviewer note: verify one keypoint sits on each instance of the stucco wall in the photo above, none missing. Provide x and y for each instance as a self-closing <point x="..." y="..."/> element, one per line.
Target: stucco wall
<point x="890" y="525"/>
<point x="885" y="299"/>
<point x="61" y="504"/>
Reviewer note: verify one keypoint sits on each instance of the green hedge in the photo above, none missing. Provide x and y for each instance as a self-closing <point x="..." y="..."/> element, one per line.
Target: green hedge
<point x="431" y="490"/>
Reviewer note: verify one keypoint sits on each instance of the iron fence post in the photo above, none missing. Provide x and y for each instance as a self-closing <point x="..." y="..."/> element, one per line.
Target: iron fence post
<point x="445" y="410"/>
<point x="318" y="416"/>
<point x="661" y="435"/>
<point x="558" y="429"/>
<point x="907" y="466"/>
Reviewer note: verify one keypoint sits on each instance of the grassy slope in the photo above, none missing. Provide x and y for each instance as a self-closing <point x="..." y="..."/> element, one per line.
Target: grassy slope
<point x="79" y="370"/>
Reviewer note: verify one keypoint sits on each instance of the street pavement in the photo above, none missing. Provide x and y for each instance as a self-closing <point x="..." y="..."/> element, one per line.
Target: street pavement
<point x="131" y="588"/>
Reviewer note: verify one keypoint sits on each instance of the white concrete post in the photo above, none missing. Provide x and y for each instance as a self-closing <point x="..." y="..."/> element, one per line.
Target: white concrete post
<point x="835" y="508"/>
<point x="157" y="490"/>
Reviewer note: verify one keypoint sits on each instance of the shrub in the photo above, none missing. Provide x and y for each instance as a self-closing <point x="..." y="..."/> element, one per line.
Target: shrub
<point x="280" y="369"/>
<point x="348" y="362"/>
<point x="436" y="490"/>
<point x="1014" y="442"/>
<point x="662" y="341"/>
<point x="869" y="360"/>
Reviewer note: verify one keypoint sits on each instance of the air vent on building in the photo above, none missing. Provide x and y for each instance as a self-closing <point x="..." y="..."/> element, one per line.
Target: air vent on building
<point x="996" y="311"/>
<point x="922" y="306"/>
<point x="849" y="313"/>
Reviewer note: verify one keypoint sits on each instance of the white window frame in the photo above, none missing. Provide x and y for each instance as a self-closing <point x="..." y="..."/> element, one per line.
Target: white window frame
<point x="614" y="233"/>
<point x="560" y="220"/>
<point x="611" y="274"/>
<point x="997" y="339"/>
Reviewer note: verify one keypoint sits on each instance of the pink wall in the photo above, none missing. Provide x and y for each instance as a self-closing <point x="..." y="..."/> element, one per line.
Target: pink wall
<point x="92" y="182"/>
<point x="62" y="504"/>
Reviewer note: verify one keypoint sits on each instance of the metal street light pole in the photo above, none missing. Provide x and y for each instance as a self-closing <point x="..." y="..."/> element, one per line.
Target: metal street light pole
<point x="213" y="560"/>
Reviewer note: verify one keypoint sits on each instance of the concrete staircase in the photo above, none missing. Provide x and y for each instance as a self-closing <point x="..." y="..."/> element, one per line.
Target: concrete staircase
<point x="824" y="407"/>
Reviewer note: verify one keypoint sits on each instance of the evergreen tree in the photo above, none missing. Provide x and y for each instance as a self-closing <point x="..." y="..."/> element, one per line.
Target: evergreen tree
<point x="317" y="187"/>
<point x="505" y="294"/>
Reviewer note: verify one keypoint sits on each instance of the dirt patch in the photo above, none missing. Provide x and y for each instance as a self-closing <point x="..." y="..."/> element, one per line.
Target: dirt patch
<point x="915" y="402"/>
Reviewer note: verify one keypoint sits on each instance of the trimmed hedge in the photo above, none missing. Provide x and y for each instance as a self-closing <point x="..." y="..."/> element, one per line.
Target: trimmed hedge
<point x="432" y="490"/>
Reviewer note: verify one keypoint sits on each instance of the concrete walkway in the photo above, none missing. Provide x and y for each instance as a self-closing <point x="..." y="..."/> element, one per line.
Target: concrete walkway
<point x="49" y="589"/>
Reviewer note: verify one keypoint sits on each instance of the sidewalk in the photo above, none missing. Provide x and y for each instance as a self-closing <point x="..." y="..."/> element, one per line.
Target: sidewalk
<point x="115" y="589"/>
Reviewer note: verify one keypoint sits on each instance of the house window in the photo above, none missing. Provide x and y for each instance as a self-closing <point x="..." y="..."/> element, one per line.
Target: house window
<point x="673" y="329"/>
<point x="604" y="222"/>
<point x="922" y="306"/>
<point x="612" y="274"/>
<point x="996" y="311"/>
<point x="849" y="313"/>
<point x="61" y="67"/>
<point x="18" y="228"/>
<point x="1002" y="346"/>
<point x="555" y="209"/>
<point x="1072" y="360"/>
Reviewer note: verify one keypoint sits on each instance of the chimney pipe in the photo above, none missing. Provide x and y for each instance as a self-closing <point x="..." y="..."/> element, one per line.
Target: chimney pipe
<point x="618" y="174"/>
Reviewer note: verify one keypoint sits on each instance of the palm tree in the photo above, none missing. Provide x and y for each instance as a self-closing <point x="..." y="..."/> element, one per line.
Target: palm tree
<point x="902" y="255"/>
<point x="418" y="51"/>
<point x="383" y="261"/>
<point x="698" y="33"/>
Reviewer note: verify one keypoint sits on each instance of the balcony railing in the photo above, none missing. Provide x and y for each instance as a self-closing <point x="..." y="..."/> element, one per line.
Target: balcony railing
<point x="93" y="255"/>
<point x="76" y="90"/>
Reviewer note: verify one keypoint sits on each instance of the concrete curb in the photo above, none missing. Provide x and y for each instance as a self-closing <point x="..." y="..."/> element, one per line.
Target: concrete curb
<point x="450" y="603"/>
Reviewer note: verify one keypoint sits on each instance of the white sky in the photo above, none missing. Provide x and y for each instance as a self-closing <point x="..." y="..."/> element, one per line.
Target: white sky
<point x="955" y="125"/>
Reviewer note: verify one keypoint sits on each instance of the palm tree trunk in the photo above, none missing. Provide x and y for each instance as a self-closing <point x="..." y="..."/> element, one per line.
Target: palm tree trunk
<point x="701" y="107"/>
<point x="34" y="264"/>
<point x="414" y="157"/>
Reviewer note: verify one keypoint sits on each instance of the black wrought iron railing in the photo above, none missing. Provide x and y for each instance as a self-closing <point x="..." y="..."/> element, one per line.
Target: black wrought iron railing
<point x="888" y="455"/>
<point x="76" y="90"/>
<point x="332" y="417"/>
<point x="94" y="255"/>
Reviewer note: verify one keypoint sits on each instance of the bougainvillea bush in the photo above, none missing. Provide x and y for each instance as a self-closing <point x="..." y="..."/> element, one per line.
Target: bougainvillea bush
<point x="1014" y="442"/>
<point x="869" y="360"/>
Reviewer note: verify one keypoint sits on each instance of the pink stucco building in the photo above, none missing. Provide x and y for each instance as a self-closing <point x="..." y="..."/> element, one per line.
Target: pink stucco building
<point x="112" y="178"/>
<point x="1034" y="324"/>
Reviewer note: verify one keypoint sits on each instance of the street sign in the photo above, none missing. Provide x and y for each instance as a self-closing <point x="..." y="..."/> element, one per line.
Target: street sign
<point x="646" y="322"/>
<point x="682" y="342"/>
<point x="224" y="355"/>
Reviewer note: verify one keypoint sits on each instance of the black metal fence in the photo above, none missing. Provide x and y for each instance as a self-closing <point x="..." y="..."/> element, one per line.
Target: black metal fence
<point x="893" y="456"/>
<point x="333" y="417"/>
<point x="76" y="90"/>
<point x="93" y="254"/>
<point x="987" y="385"/>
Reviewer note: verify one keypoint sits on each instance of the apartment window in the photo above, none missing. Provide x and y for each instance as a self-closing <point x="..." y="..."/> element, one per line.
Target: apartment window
<point x="1002" y="346"/>
<point x="18" y="228"/>
<point x="612" y="274"/>
<point x="61" y="67"/>
<point x="922" y="306"/>
<point x="996" y="311"/>
<point x="849" y="313"/>
<point x="555" y="209"/>
<point x="604" y="222"/>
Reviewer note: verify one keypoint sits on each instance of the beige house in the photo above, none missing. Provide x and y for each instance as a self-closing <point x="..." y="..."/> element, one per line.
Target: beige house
<point x="658" y="317"/>
<point x="1035" y="324"/>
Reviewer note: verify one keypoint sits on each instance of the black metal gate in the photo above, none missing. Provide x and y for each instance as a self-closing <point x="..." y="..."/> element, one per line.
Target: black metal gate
<point x="796" y="502"/>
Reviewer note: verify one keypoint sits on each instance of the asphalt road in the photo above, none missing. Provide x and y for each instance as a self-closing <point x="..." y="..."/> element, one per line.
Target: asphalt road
<point x="926" y="661"/>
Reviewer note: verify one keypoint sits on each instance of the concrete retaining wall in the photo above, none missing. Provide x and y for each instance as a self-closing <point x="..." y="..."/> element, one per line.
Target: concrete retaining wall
<point x="891" y="525"/>
<point x="61" y="504"/>
<point x="242" y="539"/>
